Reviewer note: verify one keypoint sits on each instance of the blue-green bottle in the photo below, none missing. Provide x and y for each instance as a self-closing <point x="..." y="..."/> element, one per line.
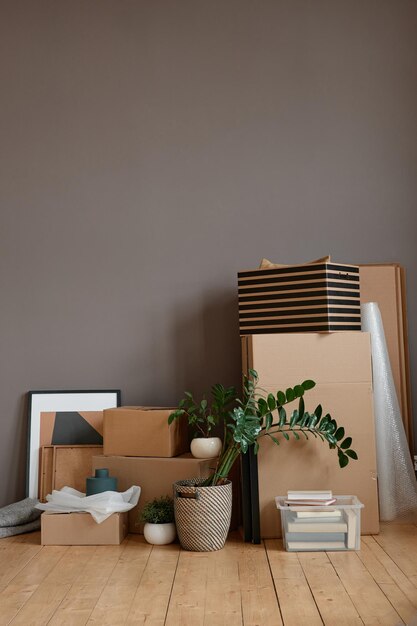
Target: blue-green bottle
<point x="100" y="482"/>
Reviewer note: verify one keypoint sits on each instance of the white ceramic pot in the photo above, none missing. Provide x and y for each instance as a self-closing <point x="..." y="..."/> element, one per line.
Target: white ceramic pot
<point x="206" y="448"/>
<point x="159" y="534"/>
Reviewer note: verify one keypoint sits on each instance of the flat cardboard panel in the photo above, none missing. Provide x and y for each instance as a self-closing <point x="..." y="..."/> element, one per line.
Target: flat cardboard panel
<point x="80" y="529"/>
<point x="385" y="284"/>
<point x="46" y="471"/>
<point x="282" y="361"/>
<point x="142" y="431"/>
<point x="155" y="476"/>
<point x="63" y="466"/>
<point x="72" y="465"/>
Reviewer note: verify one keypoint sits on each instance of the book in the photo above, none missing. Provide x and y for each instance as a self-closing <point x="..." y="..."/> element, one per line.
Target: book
<point x="316" y="545"/>
<point x="318" y="514"/>
<point x="317" y="527"/>
<point x="311" y="502"/>
<point x="351" y="533"/>
<point x="309" y="495"/>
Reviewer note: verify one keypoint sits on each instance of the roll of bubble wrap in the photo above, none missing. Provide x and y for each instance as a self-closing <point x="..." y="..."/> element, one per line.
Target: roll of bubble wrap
<point x="397" y="487"/>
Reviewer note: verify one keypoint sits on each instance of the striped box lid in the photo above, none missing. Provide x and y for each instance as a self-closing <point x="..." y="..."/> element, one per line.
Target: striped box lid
<point x="316" y="297"/>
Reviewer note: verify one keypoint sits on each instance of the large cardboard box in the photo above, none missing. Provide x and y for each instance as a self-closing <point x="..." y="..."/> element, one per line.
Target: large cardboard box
<point x="319" y="297"/>
<point x="340" y="364"/>
<point x="80" y="529"/>
<point x="385" y="284"/>
<point x="154" y="476"/>
<point x="143" y="431"/>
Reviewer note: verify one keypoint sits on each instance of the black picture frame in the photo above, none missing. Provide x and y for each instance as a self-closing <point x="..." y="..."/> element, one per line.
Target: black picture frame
<point x="59" y="400"/>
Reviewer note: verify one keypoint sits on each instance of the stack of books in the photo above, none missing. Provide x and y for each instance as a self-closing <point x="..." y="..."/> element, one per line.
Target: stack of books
<point x="322" y="529"/>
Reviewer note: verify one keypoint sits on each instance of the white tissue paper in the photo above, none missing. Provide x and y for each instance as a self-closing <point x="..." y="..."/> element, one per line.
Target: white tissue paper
<point x="100" y="505"/>
<point x="397" y="487"/>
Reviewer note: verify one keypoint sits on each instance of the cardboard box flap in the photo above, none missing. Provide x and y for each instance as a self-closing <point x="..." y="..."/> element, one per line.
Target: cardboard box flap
<point x="145" y="408"/>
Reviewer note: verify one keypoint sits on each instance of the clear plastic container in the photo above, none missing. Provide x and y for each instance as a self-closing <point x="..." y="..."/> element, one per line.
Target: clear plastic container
<point x="321" y="528"/>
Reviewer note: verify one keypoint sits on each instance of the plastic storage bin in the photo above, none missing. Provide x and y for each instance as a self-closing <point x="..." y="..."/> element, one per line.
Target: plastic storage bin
<point x="321" y="528"/>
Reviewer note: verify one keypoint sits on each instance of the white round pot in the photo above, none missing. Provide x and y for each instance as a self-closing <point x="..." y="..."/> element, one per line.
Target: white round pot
<point x="206" y="448"/>
<point x="159" y="534"/>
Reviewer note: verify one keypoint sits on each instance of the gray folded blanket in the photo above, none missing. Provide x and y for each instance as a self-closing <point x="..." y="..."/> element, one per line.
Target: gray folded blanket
<point x="20" y="517"/>
<point x="10" y="531"/>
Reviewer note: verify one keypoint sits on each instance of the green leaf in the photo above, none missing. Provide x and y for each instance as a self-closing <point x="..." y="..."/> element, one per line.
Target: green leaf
<point x="286" y="435"/>
<point x="308" y="384"/>
<point x="263" y="406"/>
<point x="274" y="439"/>
<point x="318" y="411"/>
<point x="282" y="416"/>
<point x="331" y="428"/>
<point x="281" y="398"/>
<point x="312" y="420"/>
<point x="203" y="404"/>
<point x="301" y="407"/>
<point x="271" y="402"/>
<point x="296" y="435"/>
<point x="256" y="447"/>
<point x="289" y="394"/>
<point x="171" y="418"/>
<point x="254" y="374"/>
<point x="294" y="418"/>
<point x="306" y="418"/>
<point x="340" y="433"/>
<point x="346" y="443"/>
<point x="343" y="460"/>
<point x="268" y="422"/>
<point x="352" y="454"/>
<point x="188" y="394"/>
<point x="299" y="391"/>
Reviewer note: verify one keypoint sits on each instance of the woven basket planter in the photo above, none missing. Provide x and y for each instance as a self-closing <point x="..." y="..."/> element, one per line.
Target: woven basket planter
<point x="202" y="514"/>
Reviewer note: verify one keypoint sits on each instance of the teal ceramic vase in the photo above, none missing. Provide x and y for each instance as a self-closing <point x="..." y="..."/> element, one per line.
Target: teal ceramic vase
<point x="100" y="482"/>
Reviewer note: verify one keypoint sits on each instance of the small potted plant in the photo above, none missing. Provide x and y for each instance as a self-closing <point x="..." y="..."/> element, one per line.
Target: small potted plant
<point x="203" y="507"/>
<point x="158" y="516"/>
<point x="203" y="418"/>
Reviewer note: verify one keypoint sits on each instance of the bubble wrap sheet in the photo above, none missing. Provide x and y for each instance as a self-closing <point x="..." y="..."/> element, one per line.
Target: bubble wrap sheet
<point x="397" y="485"/>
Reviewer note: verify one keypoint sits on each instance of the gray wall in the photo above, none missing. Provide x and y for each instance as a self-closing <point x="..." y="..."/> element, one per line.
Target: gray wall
<point x="151" y="149"/>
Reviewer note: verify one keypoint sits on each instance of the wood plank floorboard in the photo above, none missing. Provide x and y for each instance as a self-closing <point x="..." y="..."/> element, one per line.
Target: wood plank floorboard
<point x="241" y="585"/>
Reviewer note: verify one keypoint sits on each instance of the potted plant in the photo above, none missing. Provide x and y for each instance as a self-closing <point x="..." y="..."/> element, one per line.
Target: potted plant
<point x="203" y="418"/>
<point x="158" y="516"/>
<point x="203" y="506"/>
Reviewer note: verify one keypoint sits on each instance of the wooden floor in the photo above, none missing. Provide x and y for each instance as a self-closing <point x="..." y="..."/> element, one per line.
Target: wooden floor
<point x="136" y="583"/>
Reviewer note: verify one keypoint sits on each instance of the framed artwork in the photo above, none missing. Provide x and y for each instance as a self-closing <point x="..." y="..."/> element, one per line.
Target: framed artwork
<point x="78" y="407"/>
<point x="69" y="428"/>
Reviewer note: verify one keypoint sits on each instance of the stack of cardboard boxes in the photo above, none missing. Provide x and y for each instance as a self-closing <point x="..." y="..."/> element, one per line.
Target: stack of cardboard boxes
<point x="300" y="323"/>
<point x="139" y="448"/>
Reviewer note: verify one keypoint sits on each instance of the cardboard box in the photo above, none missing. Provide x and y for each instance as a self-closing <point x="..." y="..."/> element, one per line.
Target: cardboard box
<point x="340" y="364"/>
<point x="385" y="284"/>
<point x="155" y="476"/>
<point x="143" y="431"/>
<point x="65" y="466"/>
<point x="80" y="529"/>
<point x="304" y="298"/>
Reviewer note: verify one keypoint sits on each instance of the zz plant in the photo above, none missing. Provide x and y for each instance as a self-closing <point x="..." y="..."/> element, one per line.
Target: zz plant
<point x="259" y="414"/>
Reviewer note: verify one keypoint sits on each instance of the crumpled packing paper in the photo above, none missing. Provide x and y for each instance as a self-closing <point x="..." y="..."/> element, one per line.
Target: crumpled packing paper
<point x="100" y="506"/>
